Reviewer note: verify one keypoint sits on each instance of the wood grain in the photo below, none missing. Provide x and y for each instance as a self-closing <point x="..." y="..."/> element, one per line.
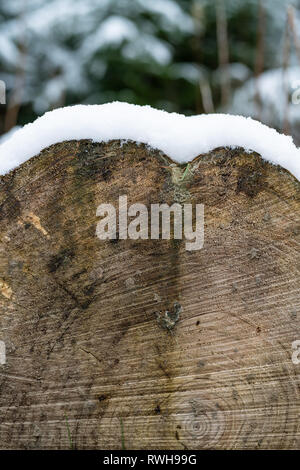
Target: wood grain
<point x="79" y="316"/>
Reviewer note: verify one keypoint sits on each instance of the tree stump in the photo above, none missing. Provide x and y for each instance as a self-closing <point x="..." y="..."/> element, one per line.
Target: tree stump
<point x="88" y="364"/>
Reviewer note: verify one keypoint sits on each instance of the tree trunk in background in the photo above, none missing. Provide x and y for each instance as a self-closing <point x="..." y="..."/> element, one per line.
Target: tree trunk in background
<point x="223" y="51"/>
<point x="78" y="316"/>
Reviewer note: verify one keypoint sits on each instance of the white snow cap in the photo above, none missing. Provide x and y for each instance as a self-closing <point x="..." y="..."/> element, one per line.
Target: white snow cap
<point x="181" y="138"/>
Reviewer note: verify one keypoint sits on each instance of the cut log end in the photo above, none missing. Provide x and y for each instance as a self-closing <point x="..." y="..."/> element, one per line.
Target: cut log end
<point x="83" y="320"/>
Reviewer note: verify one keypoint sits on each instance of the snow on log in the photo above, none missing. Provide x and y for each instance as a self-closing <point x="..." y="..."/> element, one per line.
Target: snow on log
<point x="181" y="138"/>
<point x="83" y="321"/>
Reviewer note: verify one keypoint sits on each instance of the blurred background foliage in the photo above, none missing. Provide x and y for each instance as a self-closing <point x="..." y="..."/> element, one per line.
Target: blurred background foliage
<point x="188" y="56"/>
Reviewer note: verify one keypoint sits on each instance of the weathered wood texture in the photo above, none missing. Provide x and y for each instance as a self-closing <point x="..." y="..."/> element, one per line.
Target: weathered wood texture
<point x="78" y="315"/>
